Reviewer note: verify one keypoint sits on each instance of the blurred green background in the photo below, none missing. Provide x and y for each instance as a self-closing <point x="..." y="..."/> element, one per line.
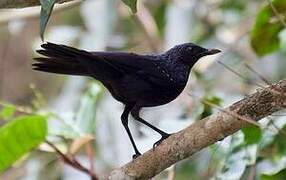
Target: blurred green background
<point x="80" y="117"/>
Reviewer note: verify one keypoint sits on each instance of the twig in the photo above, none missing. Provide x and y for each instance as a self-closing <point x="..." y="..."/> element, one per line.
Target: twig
<point x="263" y="79"/>
<point x="255" y="72"/>
<point x="238" y="74"/>
<point x="90" y="155"/>
<point x="235" y="114"/>
<point x="258" y="74"/>
<point x="34" y="12"/>
<point x="23" y="3"/>
<point x="172" y="172"/>
<point x="278" y="115"/>
<point x="72" y="162"/>
<point x="211" y="159"/>
<point x="228" y="112"/>
<point x="234" y="46"/>
<point x="276" y="127"/>
<point x="252" y="172"/>
<point x="2" y="68"/>
<point x="280" y="18"/>
<point x="147" y="23"/>
<point x="19" y="109"/>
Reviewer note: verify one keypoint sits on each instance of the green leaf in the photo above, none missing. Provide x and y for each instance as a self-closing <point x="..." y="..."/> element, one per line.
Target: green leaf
<point x="7" y="111"/>
<point x="280" y="143"/>
<point x="132" y="4"/>
<point x="86" y="116"/>
<point x="264" y="35"/>
<point x="274" y="145"/>
<point x="236" y="159"/>
<point x="252" y="134"/>
<point x="207" y="108"/>
<point x="159" y="16"/>
<point x="281" y="175"/>
<point x="46" y="10"/>
<point x="19" y="136"/>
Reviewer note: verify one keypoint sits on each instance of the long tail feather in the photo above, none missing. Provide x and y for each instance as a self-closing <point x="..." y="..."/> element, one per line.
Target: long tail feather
<point x="68" y="60"/>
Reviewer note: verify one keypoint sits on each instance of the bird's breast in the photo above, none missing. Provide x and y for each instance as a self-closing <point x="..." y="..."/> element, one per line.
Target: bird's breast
<point x="161" y="95"/>
<point x="147" y="94"/>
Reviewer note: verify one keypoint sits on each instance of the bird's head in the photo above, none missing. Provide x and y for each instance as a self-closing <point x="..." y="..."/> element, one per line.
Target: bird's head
<point x="190" y="53"/>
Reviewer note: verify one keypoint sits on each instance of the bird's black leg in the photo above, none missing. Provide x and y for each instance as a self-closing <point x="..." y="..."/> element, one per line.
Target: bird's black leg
<point x="124" y="120"/>
<point x="135" y="114"/>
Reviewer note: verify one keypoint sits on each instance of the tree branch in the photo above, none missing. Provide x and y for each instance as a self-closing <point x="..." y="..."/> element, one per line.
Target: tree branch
<point x="73" y="162"/>
<point x="23" y="3"/>
<point x="204" y="133"/>
<point x="30" y="13"/>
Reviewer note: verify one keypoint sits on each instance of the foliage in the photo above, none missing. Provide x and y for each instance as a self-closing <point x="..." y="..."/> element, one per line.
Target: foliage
<point x="48" y="5"/>
<point x="84" y="119"/>
<point x="265" y="32"/>
<point x="276" y="148"/>
<point x="20" y="136"/>
<point x="212" y="24"/>
<point x="239" y="155"/>
<point x="207" y="109"/>
<point x="252" y="134"/>
<point x="275" y="176"/>
<point x="132" y="4"/>
<point x="46" y="11"/>
<point x="7" y="111"/>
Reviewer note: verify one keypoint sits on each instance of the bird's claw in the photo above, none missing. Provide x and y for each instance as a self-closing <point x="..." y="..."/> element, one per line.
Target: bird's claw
<point x="160" y="140"/>
<point x="136" y="155"/>
<point x="157" y="143"/>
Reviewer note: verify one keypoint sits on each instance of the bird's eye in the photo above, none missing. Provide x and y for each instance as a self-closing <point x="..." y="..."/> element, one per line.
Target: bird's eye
<point x="189" y="48"/>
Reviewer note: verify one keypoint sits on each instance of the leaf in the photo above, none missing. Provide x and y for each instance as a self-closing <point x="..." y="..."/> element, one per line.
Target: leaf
<point x="7" y="111"/>
<point x="265" y="32"/>
<point x="19" y="136"/>
<point x="273" y="145"/>
<point x="46" y="10"/>
<point x="159" y="16"/>
<point x="85" y="118"/>
<point x="86" y="115"/>
<point x="233" y="5"/>
<point x="186" y="170"/>
<point x="282" y="38"/>
<point x="238" y="157"/>
<point x="252" y="134"/>
<point x="280" y="143"/>
<point x="132" y="4"/>
<point x="207" y="108"/>
<point x="277" y="176"/>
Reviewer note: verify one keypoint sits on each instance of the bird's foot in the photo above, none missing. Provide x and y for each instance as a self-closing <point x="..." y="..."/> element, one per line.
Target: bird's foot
<point x="136" y="155"/>
<point x="165" y="136"/>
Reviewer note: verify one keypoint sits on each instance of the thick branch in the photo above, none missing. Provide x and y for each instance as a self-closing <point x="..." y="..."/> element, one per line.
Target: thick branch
<point x="203" y="133"/>
<point x="23" y="3"/>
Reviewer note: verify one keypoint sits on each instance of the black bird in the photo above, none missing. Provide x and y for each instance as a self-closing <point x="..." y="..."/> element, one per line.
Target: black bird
<point x="135" y="80"/>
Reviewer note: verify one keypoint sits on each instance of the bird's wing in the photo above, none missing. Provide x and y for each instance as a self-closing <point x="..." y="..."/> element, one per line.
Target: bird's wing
<point x="142" y="66"/>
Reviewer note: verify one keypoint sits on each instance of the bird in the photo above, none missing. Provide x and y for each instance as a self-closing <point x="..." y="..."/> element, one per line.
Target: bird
<point x="136" y="80"/>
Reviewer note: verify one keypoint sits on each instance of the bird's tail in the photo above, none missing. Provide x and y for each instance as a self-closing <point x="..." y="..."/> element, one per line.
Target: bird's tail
<point x="63" y="60"/>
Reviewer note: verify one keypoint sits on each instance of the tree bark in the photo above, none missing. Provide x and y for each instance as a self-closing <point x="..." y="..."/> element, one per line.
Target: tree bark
<point x="23" y="3"/>
<point x="204" y="133"/>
